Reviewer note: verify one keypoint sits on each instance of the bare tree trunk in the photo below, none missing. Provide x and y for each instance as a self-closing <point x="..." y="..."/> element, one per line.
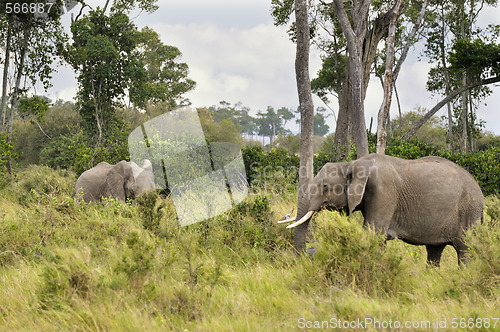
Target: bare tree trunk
<point x="355" y="36"/>
<point x="343" y="134"/>
<point x="368" y="45"/>
<point x="3" y="109"/>
<point x="383" y="113"/>
<point x="301" y="232"/>
<point x="446" y="84"/>
<point x="15" y="95"/>
<point x="465" y="106"/>
<point x="409" y="134"/>
<point x="392" y="76"/>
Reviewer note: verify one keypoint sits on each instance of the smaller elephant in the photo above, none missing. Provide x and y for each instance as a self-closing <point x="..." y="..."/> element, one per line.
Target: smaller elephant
<point x="125" y="180"/>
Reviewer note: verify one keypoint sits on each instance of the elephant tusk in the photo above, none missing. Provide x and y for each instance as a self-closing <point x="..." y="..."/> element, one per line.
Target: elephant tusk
<point x="301" y="221"/>
<point x="287" y="220"/>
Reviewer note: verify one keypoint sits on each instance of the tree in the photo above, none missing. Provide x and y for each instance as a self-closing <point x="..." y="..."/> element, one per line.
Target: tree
<point x="238" y="115"/>
<point x="116" y="63"/>
<point x="353" y="32"/>
<point x="166" y="79"/>
<point x="432" y="132"/>
<point x="320" y="126"/>
<point x="270" y="123"/>
<point x="306" y="118"/>
<point x="452" y="23"/>
<point x="33" y="37"/>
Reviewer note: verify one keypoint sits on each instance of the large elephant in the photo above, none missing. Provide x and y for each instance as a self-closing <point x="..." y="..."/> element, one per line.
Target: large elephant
<point x="125" y="180"/>
<point x="429" y="201"/>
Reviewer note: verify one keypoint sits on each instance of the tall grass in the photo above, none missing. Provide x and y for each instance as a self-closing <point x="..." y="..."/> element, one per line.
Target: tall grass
<point x="127" y="267"/>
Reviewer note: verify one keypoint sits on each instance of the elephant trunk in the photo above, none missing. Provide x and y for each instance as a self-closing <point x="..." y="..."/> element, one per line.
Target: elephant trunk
<point x="301" y="231"/>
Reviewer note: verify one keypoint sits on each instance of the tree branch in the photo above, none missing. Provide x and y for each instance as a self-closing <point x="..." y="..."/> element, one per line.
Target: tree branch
<point x="411" y="132"/>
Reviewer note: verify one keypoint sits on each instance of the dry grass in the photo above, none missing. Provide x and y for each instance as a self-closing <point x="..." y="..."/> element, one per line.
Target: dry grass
<point x="66" y="266"/>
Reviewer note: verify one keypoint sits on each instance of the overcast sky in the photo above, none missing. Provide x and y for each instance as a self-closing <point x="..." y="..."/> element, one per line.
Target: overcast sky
<point x="236" y="54"/>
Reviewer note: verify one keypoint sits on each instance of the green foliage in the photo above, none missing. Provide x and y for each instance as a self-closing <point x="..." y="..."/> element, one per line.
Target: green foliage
<point x="260" y="163"/>
<point x="166" y="79"/>
<point x="43" y="185"/>
<point x="331" y="76"/>
<point x="484" y="166"/>
<point x="251" y="224"/>
<point x="492" y="208"/>
<point x="476" y="56"/>
<point x="6" y="152"/>
<point x="114" y="61"/>
<point x="66" y="277"/>
<point x="40" y="143"/>
<point x="320" y="126"/>
<point x="150" y="207"/>
<point x="290" y="143"/>
<point x="432" y="132"/>
<point x="224" y="130"/>
<point x="38" y="38"/>
<point x="34" y="106"/>
<point x="413" y="149"/>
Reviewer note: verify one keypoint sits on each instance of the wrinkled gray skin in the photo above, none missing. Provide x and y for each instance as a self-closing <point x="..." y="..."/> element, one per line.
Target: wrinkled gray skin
<point x="429" y="201"/>
<point x="121" y="181"/>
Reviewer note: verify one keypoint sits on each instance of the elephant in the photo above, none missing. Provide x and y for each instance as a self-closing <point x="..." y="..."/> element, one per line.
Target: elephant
<point x="429" y="201"/>
<point x="125" y="180"/>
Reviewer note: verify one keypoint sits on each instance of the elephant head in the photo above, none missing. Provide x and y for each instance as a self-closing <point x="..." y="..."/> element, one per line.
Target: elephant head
<point x="125" y="180"/>
<point x="337" y="186"/>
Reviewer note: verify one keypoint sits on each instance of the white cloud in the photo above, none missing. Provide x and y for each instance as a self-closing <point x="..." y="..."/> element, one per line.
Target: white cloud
<point x="254" y="66"/>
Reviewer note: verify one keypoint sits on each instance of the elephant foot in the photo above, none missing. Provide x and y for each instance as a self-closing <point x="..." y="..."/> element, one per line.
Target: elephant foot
<point x="462" y="250"/>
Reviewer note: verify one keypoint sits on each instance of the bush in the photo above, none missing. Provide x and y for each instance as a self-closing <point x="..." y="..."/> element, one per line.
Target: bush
<point x="259" y="163"/>
<point x="413" y="149"/>
<point x="483" y="241"/>
<point x="43" y="185"/>
<point x="249" y="225"/>
<point x="484" y="166"/>
<point x="350" y="256"/>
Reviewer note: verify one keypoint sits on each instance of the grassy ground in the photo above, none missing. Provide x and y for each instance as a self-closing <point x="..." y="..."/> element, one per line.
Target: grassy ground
<point x="128" y="267"/>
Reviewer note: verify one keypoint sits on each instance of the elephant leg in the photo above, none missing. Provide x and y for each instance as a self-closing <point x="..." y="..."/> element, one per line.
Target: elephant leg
<point x="462" y="250"/>
<point x="434" y="254"/>
<point x="378" y="214"/>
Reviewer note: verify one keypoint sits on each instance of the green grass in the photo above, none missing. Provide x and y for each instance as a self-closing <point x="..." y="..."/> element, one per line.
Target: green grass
<point x="129" y="267"/>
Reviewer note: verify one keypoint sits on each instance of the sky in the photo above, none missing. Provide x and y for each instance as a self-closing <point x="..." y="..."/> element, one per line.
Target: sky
<point x="236" y="54"/>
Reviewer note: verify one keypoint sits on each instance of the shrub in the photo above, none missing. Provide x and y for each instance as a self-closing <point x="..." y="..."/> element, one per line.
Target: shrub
<point x="350" y="256"/>
<point x="43" y="184"/>
<point x="484" y="166"/>
<point x="492" y="208"/>
<point x="151" y="210"/>
<point x="413" y="149"/>
<point x="483" y="241"/>
<point x="258" y="163"/>
<point x="249" y="224"/>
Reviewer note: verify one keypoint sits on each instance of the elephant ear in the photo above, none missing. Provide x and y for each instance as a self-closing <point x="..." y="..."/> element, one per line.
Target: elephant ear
<point x="117" y="178"/>
<point x="357" y="179"/>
